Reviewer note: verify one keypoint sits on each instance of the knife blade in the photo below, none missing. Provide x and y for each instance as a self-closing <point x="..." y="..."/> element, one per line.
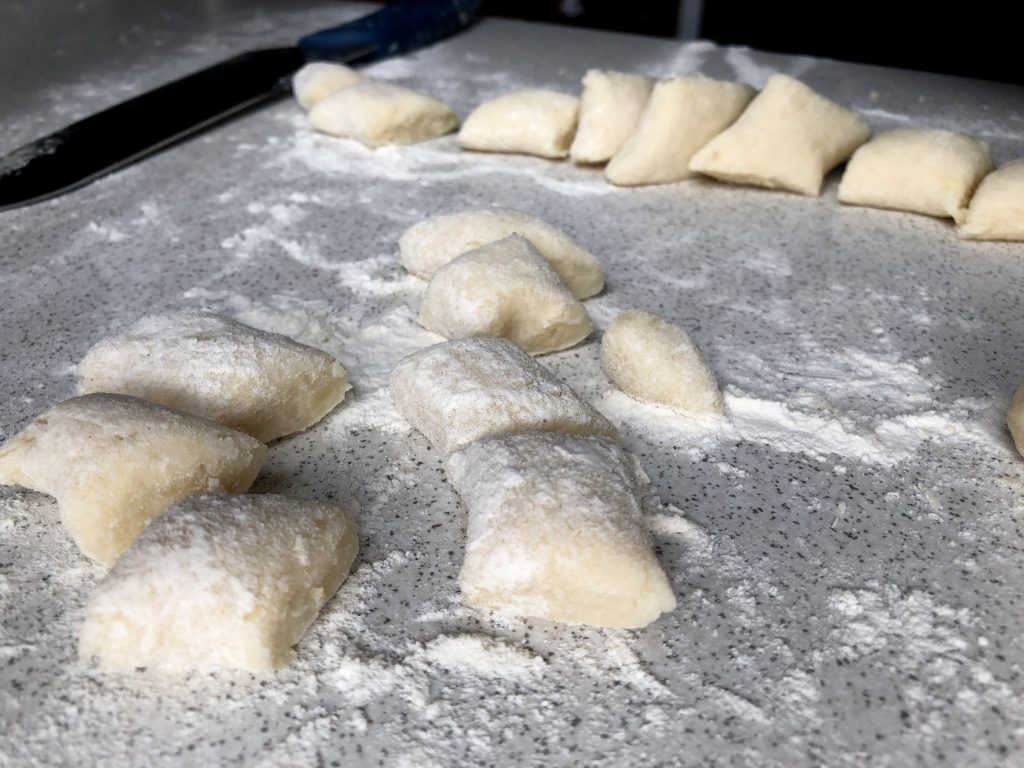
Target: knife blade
<point x="111" y="139"/>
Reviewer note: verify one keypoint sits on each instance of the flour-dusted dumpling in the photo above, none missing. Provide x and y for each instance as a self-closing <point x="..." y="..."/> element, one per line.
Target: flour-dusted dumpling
<point x="997" y="208"/>
<point x="921" y="170"/>
<point x="788" y="138"/>
<point x="651" y="359"/>
<point x="1015" y="419"/>
<point x="315" y="82"/>
<point x="218" y="580"/>
<point x="460" y="391"/>
<point x="609" y="108"/>
<point x="376" y="113"/>
<point x="113" y="462"/>
<point x="264" y="384"/>
<point x="508" y="289"/>
<point x="427" y="246"/>
<point x="682" y="115"/>
<point x="555" y="531"/>
<point x="530" y="121"/>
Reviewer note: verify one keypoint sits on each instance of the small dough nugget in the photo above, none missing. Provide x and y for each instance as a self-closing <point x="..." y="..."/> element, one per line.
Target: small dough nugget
<point x="220" y="581"/>
<point x="788" y="138"/>
<point x="376" y="114"/>
<point x="609" y="108"/>
<point x="530" y="121"/>
<point x="920" y="170"/>
<point x="1015" y="419"/>
<point x="264" y="384"/>
<point x="113" y="462"/>
<point x="508" y="289"/>
<point x="460" y="391"/>
<point x="315" y="82"/>
<point x="556" y="531"/>
<point x="997" y="208"/>
<point x="683" y="114"/>
<point x="426" y="247"/>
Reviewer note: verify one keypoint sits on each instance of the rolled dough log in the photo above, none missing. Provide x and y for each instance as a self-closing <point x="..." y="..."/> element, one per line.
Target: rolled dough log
<point x="609" y="108"/>
<point x="529" y="121"/>
<point x="997" y="208"/>
<point x="315" y="82"/>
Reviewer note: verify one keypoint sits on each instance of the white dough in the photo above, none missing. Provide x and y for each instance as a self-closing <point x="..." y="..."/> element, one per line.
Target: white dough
<point x="530" y="121"/>
<point x="113" y="462"/>
<point x="220" y="581"/>
<point x="508" y="289"/>
<point x="997" y="208"/>
<point x="376" y="113"/>
<point x="460" y="391"/>
<point x="1015" y="419"/>
<point x="429" y="245"/>
<point x="788" y="138"/>
<point x="609" y="108"/>
<point x="555" y="531"/>
<point x="315" y="82"/>
<point x="682" y="115"/>
<point x="651" y="359"/>
<point x="920" y="170"/>
<point x="264" y="384"/>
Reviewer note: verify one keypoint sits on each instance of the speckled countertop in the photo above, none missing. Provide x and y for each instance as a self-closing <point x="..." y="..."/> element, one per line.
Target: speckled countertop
<point x="846" y="548"/>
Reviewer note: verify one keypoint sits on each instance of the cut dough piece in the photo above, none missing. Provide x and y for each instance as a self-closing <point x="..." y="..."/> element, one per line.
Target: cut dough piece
<point x="261" y="383"/>
<point x="1015" y="419"/>
<point x="460" y="391"/>
<point x="555" y="531"/>
<point x="920" y="170"/>
<point x="651" y="359"/>
<point x="426" y="247"/>
<point x="508" y="289"/>
<point x="315" y="82"/>
<point x="113" y="462"/>
<point x="609" y="108"/>
<point x="997" y="208"/>
<point x="788" y="138"/>
<point x="530" y="121"/>
<point x="220" y="581"/>
<point x="683" y="115"/>
<point x="376" y="113"/>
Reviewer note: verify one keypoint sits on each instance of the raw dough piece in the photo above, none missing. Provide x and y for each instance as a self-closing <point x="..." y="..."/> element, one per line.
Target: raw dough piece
<point x="609" y="108"/>
<point x="682" y="115"/>
<point x="261" y="383"/>
<point x="653" y="360"/>
<point x="920" y="170"/>
<point x="555" y="531"/>
<point x="997" y="208"/>
<point x="220" y="581"/>
<point x="426" y="247"/>
<point x="113" y="462"/>
<point x="530" y="121"/>
<point x="315" y="82"/>
<point x="1015" y="419"/>
<point x="505" y="288"/>
<point x="376" y="113"/>
<point x="788" y="138"/>
<point x="460" y="391"/>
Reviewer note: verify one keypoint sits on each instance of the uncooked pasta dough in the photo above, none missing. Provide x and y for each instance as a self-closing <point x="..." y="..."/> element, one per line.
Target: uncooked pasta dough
<point x="218" y="580"/>
<point x="315" y="82"/>
<point x="609" y="108"/>
<point x="1015" y="419"/>
<point x="113" y="462"/>
<point x="529" y="121"/>
<point x="997" y="208"/>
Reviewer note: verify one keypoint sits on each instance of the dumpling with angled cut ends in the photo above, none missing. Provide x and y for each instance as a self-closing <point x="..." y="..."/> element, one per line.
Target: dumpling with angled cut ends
<point x="555" y="531"/>
<point x="318" y="80"/>
<point x="220" y="581"/>
<point x="609" y="109"/>
<point x="529" y="121"/>
<point x="507" y="289"/>
<point x="113" y="462"/>
<point x="997" y="208"/>
<point x="264" y="384"/>
<point x="427" y="246"/>
<point x="460" y="391"/>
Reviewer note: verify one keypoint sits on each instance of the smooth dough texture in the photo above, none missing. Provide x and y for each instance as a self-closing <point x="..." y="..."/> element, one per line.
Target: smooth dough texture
<point x="376" y="113"/>
<point x="1015" y="419"/>
<point x="530" y="121"/>
<point x="508" y="289"/>
<point x="555" y="531"/>
<point x="460" y="391"/>
<point x="263" y="384"/>
<point x="427" y="246"/>
<point x="651" y="359"/>
<point x="220" y="581"/>
<point x="113" y="462"/>
<point x="315" y="82"/>
<point x="920" y="170"/>
<point x="609" y="108"/>
<point x="788" y="138"/>
<point x="997" y="208"/>
<point x="682" y="115"/>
